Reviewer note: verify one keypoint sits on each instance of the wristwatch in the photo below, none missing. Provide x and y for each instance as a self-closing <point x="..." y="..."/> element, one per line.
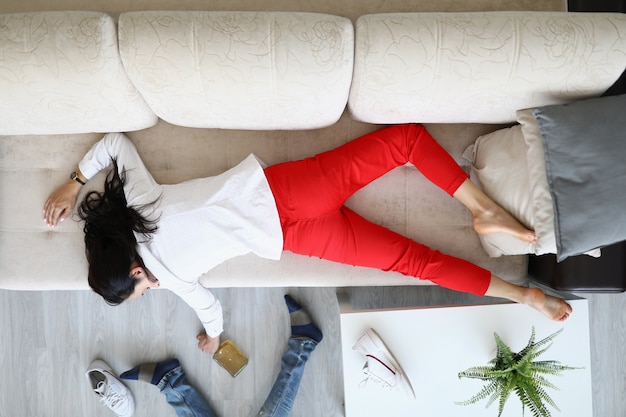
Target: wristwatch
<point x="75" y="177"/>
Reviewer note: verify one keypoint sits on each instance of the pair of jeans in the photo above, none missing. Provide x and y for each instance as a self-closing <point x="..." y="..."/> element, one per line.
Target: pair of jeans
<point x="188" y="402"/>
<point x="310" y="196"/>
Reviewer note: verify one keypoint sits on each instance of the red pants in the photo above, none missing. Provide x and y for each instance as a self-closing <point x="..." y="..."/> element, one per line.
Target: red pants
<point x="310" y="196"/>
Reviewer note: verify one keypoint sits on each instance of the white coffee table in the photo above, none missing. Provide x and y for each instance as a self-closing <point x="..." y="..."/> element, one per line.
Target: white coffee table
<point x="434" y="344"/>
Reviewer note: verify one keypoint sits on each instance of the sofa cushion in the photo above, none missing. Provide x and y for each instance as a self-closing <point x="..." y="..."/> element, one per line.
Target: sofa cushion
<point x="539" y="193"/>
<point x="499" y="168"/>
<point x="240" y="70"/>
<point x="509" y="166"/>
<point x="61" y="73"/>
<point x="35" y="257"/>
<point x="480" y="67"/>
<point x="585" y="150"/>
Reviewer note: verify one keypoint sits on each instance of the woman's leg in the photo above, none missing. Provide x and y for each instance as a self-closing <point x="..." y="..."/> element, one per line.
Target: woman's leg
<point x="346" y="237"/>
<point x="321" y="184"/>
<point x="310" y="195"/>
<point x="552" y="307"/>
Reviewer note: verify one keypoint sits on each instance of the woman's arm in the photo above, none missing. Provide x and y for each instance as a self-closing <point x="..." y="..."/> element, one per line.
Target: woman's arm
<point x="140" y="188"/>
<point x="206" y="306"/>
<point x="209" y="311"/>
<point x="62" y="201"/>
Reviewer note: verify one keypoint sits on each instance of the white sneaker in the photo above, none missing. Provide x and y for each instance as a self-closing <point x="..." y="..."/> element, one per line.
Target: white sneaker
<point x="380" y="366"/>
<point x="112" y="392"/>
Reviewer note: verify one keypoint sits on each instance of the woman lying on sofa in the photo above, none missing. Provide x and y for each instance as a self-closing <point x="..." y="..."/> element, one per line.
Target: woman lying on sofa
<point x="141" y="235"/>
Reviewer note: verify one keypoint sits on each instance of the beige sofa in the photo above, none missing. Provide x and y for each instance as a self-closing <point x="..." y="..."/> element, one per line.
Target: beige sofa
<point x="198" y="91"/>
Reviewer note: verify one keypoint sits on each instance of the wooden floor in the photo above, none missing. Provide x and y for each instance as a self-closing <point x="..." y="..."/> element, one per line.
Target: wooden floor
<point x="48" y="339"/>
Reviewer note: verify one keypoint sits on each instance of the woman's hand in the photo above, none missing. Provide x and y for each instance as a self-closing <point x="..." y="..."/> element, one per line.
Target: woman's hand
<point x="61" y="203"/>
<point x="208" y="344"/>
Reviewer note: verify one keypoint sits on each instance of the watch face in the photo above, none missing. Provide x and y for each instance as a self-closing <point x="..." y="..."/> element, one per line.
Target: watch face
<point x="74" y="176"/>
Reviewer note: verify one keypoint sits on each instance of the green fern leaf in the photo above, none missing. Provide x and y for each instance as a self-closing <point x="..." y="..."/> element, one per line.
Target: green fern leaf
<point x="518" y="373"/>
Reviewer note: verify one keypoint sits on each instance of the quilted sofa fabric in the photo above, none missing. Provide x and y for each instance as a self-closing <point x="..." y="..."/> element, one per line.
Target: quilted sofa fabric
<point x="240" y="70"/>
<point x="60" y="72"/>
<point x="481" y="67"/>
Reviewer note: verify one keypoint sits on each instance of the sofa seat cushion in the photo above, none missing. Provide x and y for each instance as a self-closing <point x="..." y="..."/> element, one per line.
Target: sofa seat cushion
<point x="481" y="67"/>
<point x="60" y="73"/>
<point x="35" y="257"/>
<point x="240" y="70"/>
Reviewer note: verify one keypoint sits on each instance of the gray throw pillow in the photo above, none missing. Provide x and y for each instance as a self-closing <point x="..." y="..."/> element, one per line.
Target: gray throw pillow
<point x="585" y="152"/>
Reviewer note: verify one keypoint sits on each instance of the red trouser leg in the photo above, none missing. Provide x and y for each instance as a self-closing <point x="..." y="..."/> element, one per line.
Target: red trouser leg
<point x="310" y="195"/>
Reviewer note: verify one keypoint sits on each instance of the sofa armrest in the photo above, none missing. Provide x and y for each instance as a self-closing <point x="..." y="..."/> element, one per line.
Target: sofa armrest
<point x="606" y="274"/>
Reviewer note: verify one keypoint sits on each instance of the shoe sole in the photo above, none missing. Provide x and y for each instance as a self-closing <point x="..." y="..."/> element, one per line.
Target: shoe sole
<point x="380" y="344"/>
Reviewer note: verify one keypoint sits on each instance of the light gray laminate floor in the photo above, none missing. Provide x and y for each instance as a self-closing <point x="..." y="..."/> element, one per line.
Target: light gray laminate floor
<point x="47" y="339"/>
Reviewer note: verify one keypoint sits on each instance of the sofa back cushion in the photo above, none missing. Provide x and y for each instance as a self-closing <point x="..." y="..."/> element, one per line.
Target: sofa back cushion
<point x="61" y="73"/>
<point x="481" y="67"/>
<point x="240" y="70"/>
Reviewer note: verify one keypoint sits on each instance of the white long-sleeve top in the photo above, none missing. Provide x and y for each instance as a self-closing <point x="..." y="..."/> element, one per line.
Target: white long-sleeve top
<point x="201" y="222"/>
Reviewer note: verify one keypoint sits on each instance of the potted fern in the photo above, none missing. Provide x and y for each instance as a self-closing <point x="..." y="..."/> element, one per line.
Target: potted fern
<point x="518" y="373"/>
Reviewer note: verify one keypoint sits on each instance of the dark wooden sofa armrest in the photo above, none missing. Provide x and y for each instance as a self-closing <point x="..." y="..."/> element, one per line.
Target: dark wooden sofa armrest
<point x="583" y="273"/>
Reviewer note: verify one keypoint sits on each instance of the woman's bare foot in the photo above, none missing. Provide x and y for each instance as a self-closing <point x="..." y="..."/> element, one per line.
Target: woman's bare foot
<point x="552" y="307"/>
<point x="497" y="219"/>
<point x="489" y="216"/>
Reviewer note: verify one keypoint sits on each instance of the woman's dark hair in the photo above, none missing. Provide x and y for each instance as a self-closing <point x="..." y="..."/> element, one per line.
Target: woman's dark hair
<point x="110" y="244"/>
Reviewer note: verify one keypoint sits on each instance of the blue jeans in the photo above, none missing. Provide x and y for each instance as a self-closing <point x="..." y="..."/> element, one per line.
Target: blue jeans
<point x="188" y="402"/>
<point x="183" y="396"/>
